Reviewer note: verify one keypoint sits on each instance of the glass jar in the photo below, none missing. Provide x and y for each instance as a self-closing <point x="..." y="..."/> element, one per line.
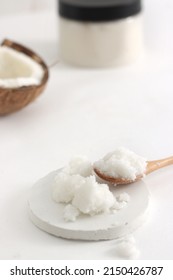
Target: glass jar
<point x="100" y="33"/>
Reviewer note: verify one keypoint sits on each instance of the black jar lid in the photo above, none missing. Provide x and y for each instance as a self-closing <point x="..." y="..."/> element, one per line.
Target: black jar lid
<point x="98" y="10"/>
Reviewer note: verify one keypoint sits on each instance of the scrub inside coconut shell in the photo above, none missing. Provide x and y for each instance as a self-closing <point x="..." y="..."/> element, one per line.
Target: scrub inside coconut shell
<point x="23" y="76"/>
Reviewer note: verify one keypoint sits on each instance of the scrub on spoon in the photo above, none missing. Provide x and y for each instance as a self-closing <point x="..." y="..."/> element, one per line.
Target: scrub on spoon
<point x="122" y="180"/>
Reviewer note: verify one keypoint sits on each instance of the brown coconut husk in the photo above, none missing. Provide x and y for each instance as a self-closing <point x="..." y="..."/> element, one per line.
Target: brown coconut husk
<point x="14" y="99"/>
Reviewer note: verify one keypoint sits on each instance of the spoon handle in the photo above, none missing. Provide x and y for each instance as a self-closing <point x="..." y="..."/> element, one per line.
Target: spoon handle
<point x="157" y="164"/>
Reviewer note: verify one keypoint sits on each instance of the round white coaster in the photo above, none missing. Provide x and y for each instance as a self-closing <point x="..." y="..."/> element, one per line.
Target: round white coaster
<point x="48" y="215"/>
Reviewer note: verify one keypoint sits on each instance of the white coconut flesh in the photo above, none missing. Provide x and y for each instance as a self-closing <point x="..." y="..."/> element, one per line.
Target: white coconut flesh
<point x="17" y="69"/>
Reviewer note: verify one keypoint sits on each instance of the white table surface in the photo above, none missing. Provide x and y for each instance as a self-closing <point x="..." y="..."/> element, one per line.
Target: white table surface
<point x="88" y="112"/>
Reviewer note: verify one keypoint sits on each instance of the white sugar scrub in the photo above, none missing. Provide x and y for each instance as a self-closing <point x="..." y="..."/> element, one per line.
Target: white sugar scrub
<point x="127" y="249"/>
<point x="92" y="198"/>
<point x="123" y="197"/>
<point x="77" y="188"/>
<point x="79" y="165"/>
<point x="69" y="179"/>
<point x="18" y="69"/>
<point x="70" y="213"/>
<point x="122" y="163"/>
<point x="84" y="196"/>
<point x="121" y="201"/>
<point x="65" y="186"/>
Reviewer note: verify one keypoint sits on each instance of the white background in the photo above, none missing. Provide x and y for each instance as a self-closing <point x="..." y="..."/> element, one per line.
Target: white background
<point x="20" y="6"/>
<point x="88" y="112"/>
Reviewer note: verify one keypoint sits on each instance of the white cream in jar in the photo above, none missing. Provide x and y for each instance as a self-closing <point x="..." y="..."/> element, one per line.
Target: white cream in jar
<point x="100" y="33"/>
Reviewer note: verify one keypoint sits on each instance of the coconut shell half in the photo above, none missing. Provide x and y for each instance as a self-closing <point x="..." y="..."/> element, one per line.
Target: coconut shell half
<point x="14" y="99"/>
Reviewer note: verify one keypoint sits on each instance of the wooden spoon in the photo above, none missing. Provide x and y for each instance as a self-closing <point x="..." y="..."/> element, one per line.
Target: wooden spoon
<point x="151" y="166"/>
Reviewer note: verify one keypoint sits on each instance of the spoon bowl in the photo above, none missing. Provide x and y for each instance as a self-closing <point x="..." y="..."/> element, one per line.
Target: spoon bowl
<point x="151" y="167"/>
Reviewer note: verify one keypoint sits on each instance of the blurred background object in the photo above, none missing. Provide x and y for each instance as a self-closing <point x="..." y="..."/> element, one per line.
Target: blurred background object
<point x="100" y="33"/>
<point x="19" y="6"/>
